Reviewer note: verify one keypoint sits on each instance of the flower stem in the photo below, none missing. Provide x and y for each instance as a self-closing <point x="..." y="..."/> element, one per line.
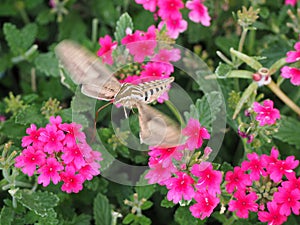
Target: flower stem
<point x="242" y="40"/>
<point x="175" y="112"/>
<point x="280" y="94"/>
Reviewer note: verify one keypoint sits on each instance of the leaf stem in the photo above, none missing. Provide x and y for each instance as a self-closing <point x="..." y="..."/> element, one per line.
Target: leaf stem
<point x="175" y="112"/>
<point x="95" y="23"/>
<point x="280" y="94"/>
<point x="242" y="40"/>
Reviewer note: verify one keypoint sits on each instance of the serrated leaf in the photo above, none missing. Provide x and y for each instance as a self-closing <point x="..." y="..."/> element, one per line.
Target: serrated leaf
<point x="102" y="210"/>
<point x="289" y="131"/>
<point x="47" y="63"/>
<point x="205" y="109"/>
<point x="223" y="70"/>
<point x="123" y="23"/>
<point x="50" y="218"/>
<point x="19" y="40"/>
<point x="167" y="204"/>
<point x="12" y="130"/>
<point x="184" y="217"/>
<point x="143" y="220"/>
<point x="30" y="115"/>
<point x="82" y="219"/>
<point x="144" y="189"/>
<point x="6" y="216"/>
<point x="128" y="218"/>
<point x="40" y="202"/>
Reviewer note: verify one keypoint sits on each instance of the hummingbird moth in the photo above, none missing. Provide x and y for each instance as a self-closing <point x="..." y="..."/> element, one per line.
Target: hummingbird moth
<point x="96" y="80"/>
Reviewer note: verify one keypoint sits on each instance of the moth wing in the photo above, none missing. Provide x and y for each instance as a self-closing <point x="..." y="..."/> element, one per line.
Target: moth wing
<point x="86" y="69"/>
<point x="154" y="89"/>
<point x="157" y="129"/>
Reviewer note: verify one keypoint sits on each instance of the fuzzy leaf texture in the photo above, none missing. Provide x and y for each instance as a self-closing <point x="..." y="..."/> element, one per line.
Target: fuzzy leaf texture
<point x="6" y="215"/>
<point x="123" y="23"/>
<point x="205" y="112"/>
<point x="289" y="131"/>
<point x="40" y="202"/>
<point x="19" y="40"/>
<point x="183" y="217"/>
<point x="102" y="210"/>
<point x="47" y="64"/>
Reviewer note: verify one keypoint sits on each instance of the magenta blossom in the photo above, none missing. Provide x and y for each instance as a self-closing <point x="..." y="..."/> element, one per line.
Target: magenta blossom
<point x="273" y="217"/>
<point x="180" y="187"/>
<point x="266" y="114"/>
<point x="290" y="2"/>
<point x="293" y="56"/>
<point x="198" y="13"/>
<point x="205" y="204"/>
<point x="175" y="26"/>
<point x="33" y="137"/>
<point x="291" y="72"/>
<point x="148" y="4"/>
<point x="105" y="51"/>
<point x="50" y="170"/>
<point x="255" y="165"/>
<point x="196" y="134"/>
<point x="72" y="181"/>
<point x="243" y="204"/>
<point x="237" y="180"/>
<point x="169" y="8"/>
<point x="288" y="199"/>
<point x="209" y="179"/>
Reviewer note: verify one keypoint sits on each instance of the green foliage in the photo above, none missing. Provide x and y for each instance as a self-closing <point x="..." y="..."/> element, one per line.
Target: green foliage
<point x="183" y="217"/>
<point x="47" y="64"/>
<point x="102" y="210"/>
<point x="123" y="23"/>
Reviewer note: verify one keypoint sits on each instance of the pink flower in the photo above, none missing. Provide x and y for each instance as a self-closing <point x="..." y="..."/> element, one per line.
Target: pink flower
<point x="73" y="133"/>
<point x="209" y="179"/>
<point x="272" y="159"/>
<point x="148" y="4"/>
<point x="291" y="72"/>
<point x="282" y="167"/>
<point x="141" y="49"/>
<point x="29" y="159"/>
<point x="49" y="171"/>
<point x="255" y="165"/>
<point x="243" y="204"/>
<point x="158" y="173"/>
<point x="169" y="8"/>
<point x="105" y="51"/>
<point x="175" y="26"/>
<point x="198" y="13"/>
<point x="72" y="182"/>
<point x="266" y="114"/>
<point x="52" y="139"/>
<point x="292" y="183"/>
<point x="73" y="155"/>
<point x="33" y="137"/>
<point x="293" y="56"/>
<point x="165" y="156"/>
<point x="205" y="204"/>
<point x="290" y="2"/>
<point x="273" y="217"/>
<point x="165" y="55"/>
<point x="288" y="200"/>
<point x="153" y="69"/>
<point x="56" y="121"/>
<point x="237" y="180"/>
<point x="129" y="38"/>
<point x="196" y="134"/>
<point x="180" y="187"/>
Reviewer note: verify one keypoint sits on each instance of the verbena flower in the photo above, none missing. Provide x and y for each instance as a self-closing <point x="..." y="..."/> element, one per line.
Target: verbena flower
<point x="169" y="8"/>
<point x="292" y="73"/>
<point x="58" y="152"/>
<point x="243" y="203"/>
<point x="106" y="49"/>
<point x="205" y="204"/>
<point x="195" y="134"/>
<point x="148" y="4"/>
<point x="255" y="165"/>
<point x="237" y="180"/>
<point x="180" y="187"/>
<point x="266" y="114"/>
<point x="290" y="2"/>
<point x="273" y="217"/>
<point x="287" y="199"/>
<point x="198" y="13"/>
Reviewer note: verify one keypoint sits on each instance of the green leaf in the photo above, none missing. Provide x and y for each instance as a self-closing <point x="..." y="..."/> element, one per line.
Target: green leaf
<point x="289" y="131"/>
<point x="250" y="61"/>
<point x="47" y="64"/>
<point x="145" y="191"/>
<point x="82" y="219"/>
<point x="45" y="16"/>
<point x="223" y="70"/>
<point x="128" y="218"/>
<point x="184" y="217"/>
<point x="12" y="130"/>
<point x="205" y="112"/>
<point x="19" y="40"/>
<point x="6" y="216"/>
<point x="143" y="220"/>
<point x="30" y="115"/>
<point x="40" y="202"/>
<point x="123" y="23"/>
<point x="146" y="205"/>
<point x="49" y="219"/>
<point x="102" y="210"/>
<point x="167" y="204"/>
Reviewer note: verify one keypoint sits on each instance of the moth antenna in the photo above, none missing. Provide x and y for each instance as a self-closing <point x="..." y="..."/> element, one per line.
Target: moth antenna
<point x="96" y="117"/>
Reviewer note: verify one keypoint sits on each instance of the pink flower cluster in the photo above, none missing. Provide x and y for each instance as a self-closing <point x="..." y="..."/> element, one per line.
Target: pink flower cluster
<point x="266" y="114"/>
<point x="292" y="72"/>
<point x="169" y="12"/>
<point x="58" y="152"/>
<point x="258" y="186"/>
<point x="290" y="2"/>
<point x="143" y="47"/>
<point x="199" y="181"/>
